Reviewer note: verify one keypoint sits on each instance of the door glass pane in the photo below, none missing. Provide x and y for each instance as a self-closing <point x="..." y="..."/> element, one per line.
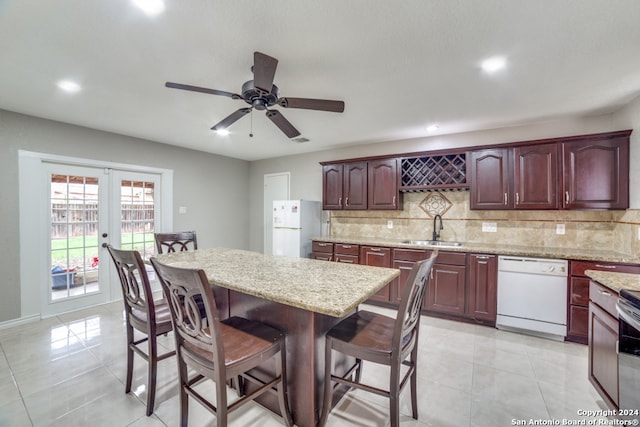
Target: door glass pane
<point x="74" y="236"/>
<point x="137" y="217"/>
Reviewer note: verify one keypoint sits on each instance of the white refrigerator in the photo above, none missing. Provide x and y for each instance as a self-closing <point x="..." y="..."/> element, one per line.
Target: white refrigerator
<point x="295" y="222"/>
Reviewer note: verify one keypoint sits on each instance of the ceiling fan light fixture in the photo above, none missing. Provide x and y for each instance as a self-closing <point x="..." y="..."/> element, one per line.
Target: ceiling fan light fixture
<point x="433" y="128"/>
<point x="222" y="132"/>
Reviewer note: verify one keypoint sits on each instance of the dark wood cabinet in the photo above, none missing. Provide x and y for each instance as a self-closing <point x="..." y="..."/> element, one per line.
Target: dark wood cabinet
<point x="535" y="182"/>
<point x="446" y="288"/>
<point x="344" y="186"/>
<point x="482" y="289"/>
<point x="596" y="173"/>
<point x="524" y="177"/>
<point x="383" y="189"/>
<point x="404" y="260"/>
<point x="489" y="174"/>
<point x="578" y="297"/>
<point x="378" y="257"/>
<point x="603" y="343"/>
<point x="337" y="252"/>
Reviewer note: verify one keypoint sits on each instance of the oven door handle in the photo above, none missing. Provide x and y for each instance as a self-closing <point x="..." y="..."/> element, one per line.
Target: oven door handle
<point x="628" y="314"/>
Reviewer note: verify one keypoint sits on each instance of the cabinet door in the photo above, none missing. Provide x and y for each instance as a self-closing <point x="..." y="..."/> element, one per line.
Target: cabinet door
<point x="355" y="186"/>
<point x="536" y="176"/>
<point x="482" y="296"/>
<point x="377" y="257"/>
<point x="603" y="357"/>
<point x="445" y="290"/>
<point x="489" y="172"/>
<point x="332" y="186"/>
<point x="596" y="174"/>
<point x="383" y="184"/>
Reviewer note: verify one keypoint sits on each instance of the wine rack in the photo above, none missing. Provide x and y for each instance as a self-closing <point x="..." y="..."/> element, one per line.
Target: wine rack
<point x="434" y="173"/>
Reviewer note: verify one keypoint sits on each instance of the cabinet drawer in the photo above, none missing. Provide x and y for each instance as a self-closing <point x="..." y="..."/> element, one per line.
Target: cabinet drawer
<point x="410" y="254"/>
<point x="322" y="247"/>
<point x="578" y="267"/>
<point x="322" y="256"/>
<point x="452" y="258"/>
<point x="345" y="248"/>
<point x="347" y="259"/>
<point x="579" y="289"/>
<point x="604" y="297"/>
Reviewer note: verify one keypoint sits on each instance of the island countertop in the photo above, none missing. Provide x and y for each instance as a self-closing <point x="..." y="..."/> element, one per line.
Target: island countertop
<point x="330" y="288"/>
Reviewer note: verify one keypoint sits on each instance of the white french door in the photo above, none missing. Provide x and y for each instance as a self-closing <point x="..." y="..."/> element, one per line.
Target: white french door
<point x="88" y="208"/>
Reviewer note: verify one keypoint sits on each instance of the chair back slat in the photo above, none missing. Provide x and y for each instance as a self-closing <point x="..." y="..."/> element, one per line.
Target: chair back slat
<point x="408" y="320"/>
<point x="134" y="282"/>
<point x="184" y="288"/>
<point x="176" y="242"/>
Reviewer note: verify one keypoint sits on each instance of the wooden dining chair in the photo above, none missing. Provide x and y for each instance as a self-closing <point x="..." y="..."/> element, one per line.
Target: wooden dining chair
<point x="176" y="241"/>
<point x="220" y="350"/>
<point x="142" y="313"/>
<point x="383" y="340"/>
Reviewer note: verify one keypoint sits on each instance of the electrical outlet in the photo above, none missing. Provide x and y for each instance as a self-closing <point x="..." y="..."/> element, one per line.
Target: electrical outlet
<point x="489" y="227"/>
<point x="559" y="228"/>
<point x="182" y="209"/>
<point x="389" y="224"/>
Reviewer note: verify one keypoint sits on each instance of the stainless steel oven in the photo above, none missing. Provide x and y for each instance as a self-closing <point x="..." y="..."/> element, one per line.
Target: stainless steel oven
<point x="629" y="354"/>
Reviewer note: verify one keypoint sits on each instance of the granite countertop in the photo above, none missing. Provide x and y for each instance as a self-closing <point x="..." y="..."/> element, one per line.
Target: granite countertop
<point x="615" y="281"/>
<point x="497" y="248"/>
<point x="330" y="288"/>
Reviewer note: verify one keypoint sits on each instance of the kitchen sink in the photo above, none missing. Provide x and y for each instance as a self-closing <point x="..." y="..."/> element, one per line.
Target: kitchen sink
<point x="432" y="243"/>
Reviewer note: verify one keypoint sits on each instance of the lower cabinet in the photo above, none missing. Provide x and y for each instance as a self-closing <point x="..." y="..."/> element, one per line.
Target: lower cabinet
<point x="482" y="290"/>
<point x="378" y="257"/>
<point x="404" y="260"/>
<point x="446" y="288"/>
<point x="603" y="342"/>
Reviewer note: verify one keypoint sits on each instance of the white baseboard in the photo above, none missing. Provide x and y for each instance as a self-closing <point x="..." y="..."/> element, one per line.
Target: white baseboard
<point x="20" y="321"/>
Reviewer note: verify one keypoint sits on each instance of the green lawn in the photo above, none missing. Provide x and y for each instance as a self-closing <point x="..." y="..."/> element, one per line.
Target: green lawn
<point x="81" y="248"/>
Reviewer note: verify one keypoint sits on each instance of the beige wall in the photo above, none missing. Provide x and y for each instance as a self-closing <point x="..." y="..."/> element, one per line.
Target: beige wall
<point x="306" y="172"/>
<point x="213" y="188"/>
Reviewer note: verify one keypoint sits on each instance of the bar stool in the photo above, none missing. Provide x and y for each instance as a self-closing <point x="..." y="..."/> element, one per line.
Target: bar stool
<point x="142" y="313"/>
<point x="383" y="340"/>
<point x="219" y="350"/>
<point x="176" y="241"/>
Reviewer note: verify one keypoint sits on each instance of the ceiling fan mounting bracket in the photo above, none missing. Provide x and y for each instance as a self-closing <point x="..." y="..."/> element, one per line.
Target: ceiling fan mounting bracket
<point x="257" y="98"/>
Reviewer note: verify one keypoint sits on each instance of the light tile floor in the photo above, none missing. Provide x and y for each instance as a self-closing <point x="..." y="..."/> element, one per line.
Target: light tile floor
<point x="69" y="370"/>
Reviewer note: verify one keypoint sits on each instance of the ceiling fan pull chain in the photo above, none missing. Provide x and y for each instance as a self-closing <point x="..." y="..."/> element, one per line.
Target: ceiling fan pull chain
<point x="251" y="129"/>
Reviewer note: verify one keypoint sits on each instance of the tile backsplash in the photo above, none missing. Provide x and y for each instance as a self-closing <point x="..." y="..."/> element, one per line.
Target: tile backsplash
<point x="611" y="230"/>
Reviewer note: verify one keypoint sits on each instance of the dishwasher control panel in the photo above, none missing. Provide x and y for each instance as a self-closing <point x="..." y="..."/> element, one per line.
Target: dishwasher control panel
<point x="554" y="267"/>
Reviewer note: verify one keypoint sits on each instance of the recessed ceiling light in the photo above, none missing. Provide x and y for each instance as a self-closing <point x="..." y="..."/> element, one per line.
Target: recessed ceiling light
<point x="493" y="64"/>
<point x="150" y="7"/>
<point x="432" y="128"/>
<point x="222" y="132"/>
<point x="69" y="86"/>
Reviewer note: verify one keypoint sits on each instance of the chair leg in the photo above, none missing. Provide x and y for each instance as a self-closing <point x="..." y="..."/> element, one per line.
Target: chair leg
<point x="414" y="391"/>
<point x="222" y="407"/>
<point x="358" y="370"/>
<point x="281" y="366"/>
<point x="394" y="395"/>
<point x="127" y="387"/>
<point x="183" y="379"/>
<point x="152" y="374"/>
<point x="328" y="388"/>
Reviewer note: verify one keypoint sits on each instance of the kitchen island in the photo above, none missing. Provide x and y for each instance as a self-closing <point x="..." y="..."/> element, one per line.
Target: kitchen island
<point x="302" y="297"/>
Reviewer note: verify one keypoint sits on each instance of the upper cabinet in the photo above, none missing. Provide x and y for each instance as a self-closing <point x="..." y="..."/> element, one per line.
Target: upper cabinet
<point x="590" y="172"/>
<point x="596" y="173"/>
<point x="371" y="184"/>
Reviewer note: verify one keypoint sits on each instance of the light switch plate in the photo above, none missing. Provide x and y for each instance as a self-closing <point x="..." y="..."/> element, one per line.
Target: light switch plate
<point x="182" y="209"/>
<point x="489" y="227"/>
<point x="560" y="228"/>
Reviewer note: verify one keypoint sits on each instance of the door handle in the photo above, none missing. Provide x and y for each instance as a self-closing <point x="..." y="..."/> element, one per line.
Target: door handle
<point x="104" y="245"/>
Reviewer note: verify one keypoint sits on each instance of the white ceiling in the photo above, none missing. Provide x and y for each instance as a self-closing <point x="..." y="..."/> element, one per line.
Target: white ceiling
<point x="398" y="66"/>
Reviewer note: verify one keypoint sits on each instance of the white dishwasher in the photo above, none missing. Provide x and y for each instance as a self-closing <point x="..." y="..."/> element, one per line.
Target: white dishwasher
<point x="532" y="296"/>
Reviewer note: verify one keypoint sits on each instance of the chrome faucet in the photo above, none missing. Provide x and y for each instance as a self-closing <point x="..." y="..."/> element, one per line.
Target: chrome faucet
<point x="436" y="235"/>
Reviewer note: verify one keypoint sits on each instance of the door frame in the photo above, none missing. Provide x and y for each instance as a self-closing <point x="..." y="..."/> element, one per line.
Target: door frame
<point x="33" y="232"/>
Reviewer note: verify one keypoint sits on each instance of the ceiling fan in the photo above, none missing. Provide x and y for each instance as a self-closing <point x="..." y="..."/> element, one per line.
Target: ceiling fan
<point x="261" y="94"/>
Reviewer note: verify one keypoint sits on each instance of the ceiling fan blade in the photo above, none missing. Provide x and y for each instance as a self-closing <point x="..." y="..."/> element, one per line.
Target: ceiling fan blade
<point x="285" y="126"/>
<point x="202" y="89"/>
<point x="264" y="70"/>
<point x="312" y="104"/>
<point x="231" y="119"/>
